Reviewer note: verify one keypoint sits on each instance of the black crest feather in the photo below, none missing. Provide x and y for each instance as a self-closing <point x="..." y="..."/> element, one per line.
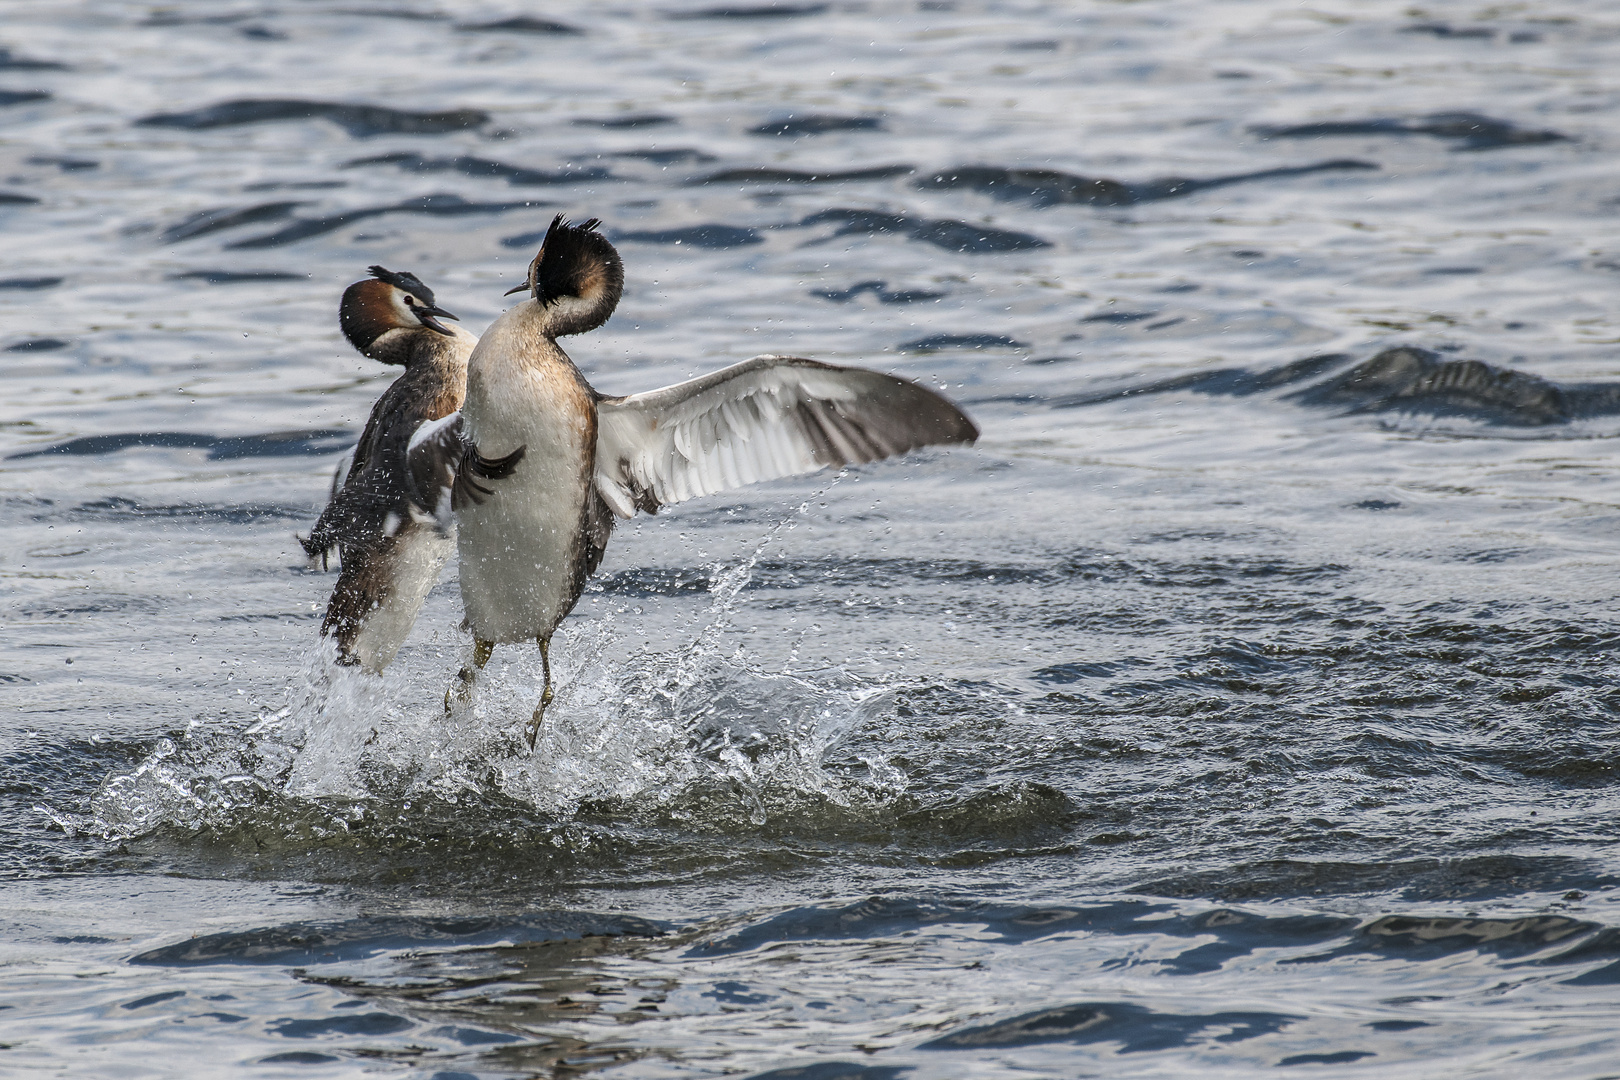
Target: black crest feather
<point x="577" y="261"/>
<point x="404" y="280"/>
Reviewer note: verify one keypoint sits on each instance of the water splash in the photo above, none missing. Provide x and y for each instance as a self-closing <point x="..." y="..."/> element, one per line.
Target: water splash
<point x="640" y="737"/>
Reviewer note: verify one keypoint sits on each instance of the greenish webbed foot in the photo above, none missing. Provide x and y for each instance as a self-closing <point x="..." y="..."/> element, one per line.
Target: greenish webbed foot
<point x="460" y="692"/>
<point x="545" y="696"/>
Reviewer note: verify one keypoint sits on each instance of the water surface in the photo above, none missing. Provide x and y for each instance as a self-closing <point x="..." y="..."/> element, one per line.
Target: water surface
<point x="1244" y="700"/>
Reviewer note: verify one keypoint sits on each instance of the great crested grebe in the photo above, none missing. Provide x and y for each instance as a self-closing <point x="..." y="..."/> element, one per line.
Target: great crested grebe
<point x="537" y="464"/>
<point x="391" y="544"/>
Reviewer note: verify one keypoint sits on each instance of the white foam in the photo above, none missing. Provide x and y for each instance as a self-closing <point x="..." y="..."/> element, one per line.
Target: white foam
<point x="642" y="732"/>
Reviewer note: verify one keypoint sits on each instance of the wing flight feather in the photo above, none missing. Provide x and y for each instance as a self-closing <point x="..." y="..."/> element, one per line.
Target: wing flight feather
<point x="447" y="471"/>
<point x="765" y="418"/>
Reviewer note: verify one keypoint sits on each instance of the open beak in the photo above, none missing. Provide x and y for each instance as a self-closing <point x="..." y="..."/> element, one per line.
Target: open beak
<point x="430" y="315"/>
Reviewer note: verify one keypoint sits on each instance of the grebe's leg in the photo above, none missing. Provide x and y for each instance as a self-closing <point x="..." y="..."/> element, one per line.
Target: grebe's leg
<point x="546" y="695"/>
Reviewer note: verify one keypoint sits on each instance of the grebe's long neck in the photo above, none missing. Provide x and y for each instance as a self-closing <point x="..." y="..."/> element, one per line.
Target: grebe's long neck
<point x="520" y="380"/>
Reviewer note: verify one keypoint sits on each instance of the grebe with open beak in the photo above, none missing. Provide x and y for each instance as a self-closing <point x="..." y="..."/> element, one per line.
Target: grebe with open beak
<point x="391" y="542"/>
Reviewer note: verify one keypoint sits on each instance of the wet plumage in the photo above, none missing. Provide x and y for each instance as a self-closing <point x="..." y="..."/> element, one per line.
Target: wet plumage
<point x="381" y="520"/>
<point x="538" y="464"/>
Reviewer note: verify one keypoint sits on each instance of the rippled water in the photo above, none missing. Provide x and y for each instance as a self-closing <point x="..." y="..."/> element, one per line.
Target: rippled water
<point x="1243" y="700"/>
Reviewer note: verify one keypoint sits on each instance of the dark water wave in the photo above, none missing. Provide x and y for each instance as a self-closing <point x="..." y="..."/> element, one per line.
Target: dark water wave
<point x="317" y="441"/>
<point x="353" y="939"/>
<point x="801" y="176"/>
<point x="700" y="236"/>
<point x="441" y="205"/>
<point x="237" y="277"/>
<point x="361" y="121"/>
<point x="1435" y="881"/>
<point x="210" y="221"/>
<point x="65" y="164"/>
<point x="796" y="125"/>
<point x="752" y="11"/>
<point x="880" y="291"/>
<point x="22" y="97"/>
<point x="103" y="604"/>
<point x="1420" y="938"/>
<point x="1402" y="379"/>
<point x="624" y="123"/>
<point x="1471" y="130"/>
<point x="1048" y="187"/>
<point x="833" y="1070"/>
<point x="120" y="508"/>
<point x="207" y="222"/>
<point x="935" y="342"/>
<point x="1213" y="937"/>
<point x="1408" y="379"/>
<point x="1119" y="318"/>
<point x="1240" y="932"/>
<point x="656" y="581"/>
<point x="946" y="233"/>
<point x="846" y="571"/>
<point x="522" y="24"/>
<point x="10" y="61"/>
<point x="516" y="175"/>
<point x="1447" y="30"/>
<point x="1134" y="1027"/>
<point x="183" y="18"/>
<point x="504" y="974"/>
<point x="674" y="156"/>
<point x="958" y="236"/>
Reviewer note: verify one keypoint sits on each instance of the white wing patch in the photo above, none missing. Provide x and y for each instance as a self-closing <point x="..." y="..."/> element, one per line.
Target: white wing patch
<point x="430" y="429"/>
<point x="432" y="457"/>
<point x="446" y="471"/>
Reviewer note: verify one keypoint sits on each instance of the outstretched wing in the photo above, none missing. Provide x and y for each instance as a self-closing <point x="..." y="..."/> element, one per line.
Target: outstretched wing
<point x="446" y="470"/>
<point x="762" y="419"/>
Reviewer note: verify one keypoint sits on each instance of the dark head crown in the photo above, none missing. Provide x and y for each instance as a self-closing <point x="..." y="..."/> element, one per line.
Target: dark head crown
<point x="578" y="275"/>
<point x="403" y="280"/>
